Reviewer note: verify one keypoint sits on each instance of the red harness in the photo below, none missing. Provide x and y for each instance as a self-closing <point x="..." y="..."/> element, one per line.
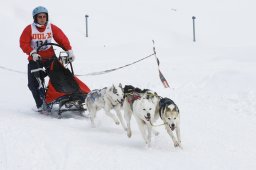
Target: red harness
<point x="133" y="97"/>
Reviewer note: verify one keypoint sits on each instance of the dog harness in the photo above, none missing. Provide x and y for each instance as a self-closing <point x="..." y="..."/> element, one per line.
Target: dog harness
<point x="99" y="94"/>
<point x="94" y="94"/>
<point x="131" y="97"/>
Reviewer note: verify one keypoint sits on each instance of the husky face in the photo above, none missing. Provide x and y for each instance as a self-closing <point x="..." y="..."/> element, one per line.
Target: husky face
<point x="145" y="109"/>
<point x="116" y="93"/>
<point x="172" y="116"/>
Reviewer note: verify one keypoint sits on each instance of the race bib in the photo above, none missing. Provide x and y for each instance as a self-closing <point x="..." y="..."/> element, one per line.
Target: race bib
<point x="40" y="38"/>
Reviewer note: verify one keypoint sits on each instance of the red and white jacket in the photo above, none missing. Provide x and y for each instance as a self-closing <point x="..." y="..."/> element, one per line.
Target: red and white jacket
<point x="33" y="36"/>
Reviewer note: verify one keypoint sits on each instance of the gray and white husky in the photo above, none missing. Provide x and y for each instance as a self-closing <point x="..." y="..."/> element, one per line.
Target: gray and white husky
<point x="107" y="98"/>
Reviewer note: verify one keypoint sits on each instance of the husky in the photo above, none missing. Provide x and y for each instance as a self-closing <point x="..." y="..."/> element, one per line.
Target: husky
<point x="139" y="103"/>
<point x="170" y="114"/>
<point x="107" y="98"/>
<point x="142" y="105"/>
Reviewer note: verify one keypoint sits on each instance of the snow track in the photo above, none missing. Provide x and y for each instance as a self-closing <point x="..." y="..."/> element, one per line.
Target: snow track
<point x="212" y="81"/>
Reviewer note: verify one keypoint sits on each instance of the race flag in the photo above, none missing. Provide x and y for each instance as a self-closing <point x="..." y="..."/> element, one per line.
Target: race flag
<point x="164" y="81"/>
<point x="162" y="78"/>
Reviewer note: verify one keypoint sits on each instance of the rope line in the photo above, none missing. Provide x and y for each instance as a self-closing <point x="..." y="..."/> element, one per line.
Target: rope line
<point x="161" y="76"/>
<point x="88" y="74"/>
<point x="12" y="70"/>
<point x="114" y="69"/>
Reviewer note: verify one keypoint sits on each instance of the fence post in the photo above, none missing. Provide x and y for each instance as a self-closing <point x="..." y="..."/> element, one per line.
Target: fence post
<point x="86" y="24"/>
<point x="194" y="32"/>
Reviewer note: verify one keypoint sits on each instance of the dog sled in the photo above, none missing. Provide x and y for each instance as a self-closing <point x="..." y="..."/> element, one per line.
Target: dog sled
<point x="64" y="92"/>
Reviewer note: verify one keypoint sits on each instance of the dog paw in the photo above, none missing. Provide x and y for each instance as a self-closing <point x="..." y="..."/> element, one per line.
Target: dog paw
<point x="176" y="144"/>
<point x="129" y="134"/>
<point x="180" y="146"/>
<point x="148" y="143"/>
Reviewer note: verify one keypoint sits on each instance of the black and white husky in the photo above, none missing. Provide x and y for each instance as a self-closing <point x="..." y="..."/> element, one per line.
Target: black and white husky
<point x="107" y="98"/>
<point x="170" y="114"/>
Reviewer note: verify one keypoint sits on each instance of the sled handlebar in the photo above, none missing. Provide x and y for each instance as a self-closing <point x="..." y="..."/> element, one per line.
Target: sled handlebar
<point x="54" y="44"/>
<point x="45" y="44"/>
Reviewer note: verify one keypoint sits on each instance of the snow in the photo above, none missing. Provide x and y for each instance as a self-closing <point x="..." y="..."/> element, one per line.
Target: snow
<point x="212" y="81"/>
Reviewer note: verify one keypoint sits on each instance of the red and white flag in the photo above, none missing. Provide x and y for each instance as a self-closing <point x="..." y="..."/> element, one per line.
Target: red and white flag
<point x="162" y="78"/>
<point x="164" y="81"/>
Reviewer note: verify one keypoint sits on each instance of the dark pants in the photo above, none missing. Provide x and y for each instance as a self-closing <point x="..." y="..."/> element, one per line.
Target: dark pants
<point x="33" y="83"/>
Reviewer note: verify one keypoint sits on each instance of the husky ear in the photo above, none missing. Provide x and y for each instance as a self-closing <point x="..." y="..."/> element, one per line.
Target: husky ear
<point x="111" y="87"/>
<point x="120" y="85"/>
<point x="114" y="89"/>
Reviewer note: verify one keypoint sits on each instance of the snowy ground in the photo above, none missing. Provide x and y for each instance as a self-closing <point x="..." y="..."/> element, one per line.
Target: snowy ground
<point x="213" y="82"/>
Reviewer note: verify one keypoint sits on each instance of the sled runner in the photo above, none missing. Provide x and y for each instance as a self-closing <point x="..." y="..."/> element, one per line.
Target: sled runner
<point x="64" y="89"/>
